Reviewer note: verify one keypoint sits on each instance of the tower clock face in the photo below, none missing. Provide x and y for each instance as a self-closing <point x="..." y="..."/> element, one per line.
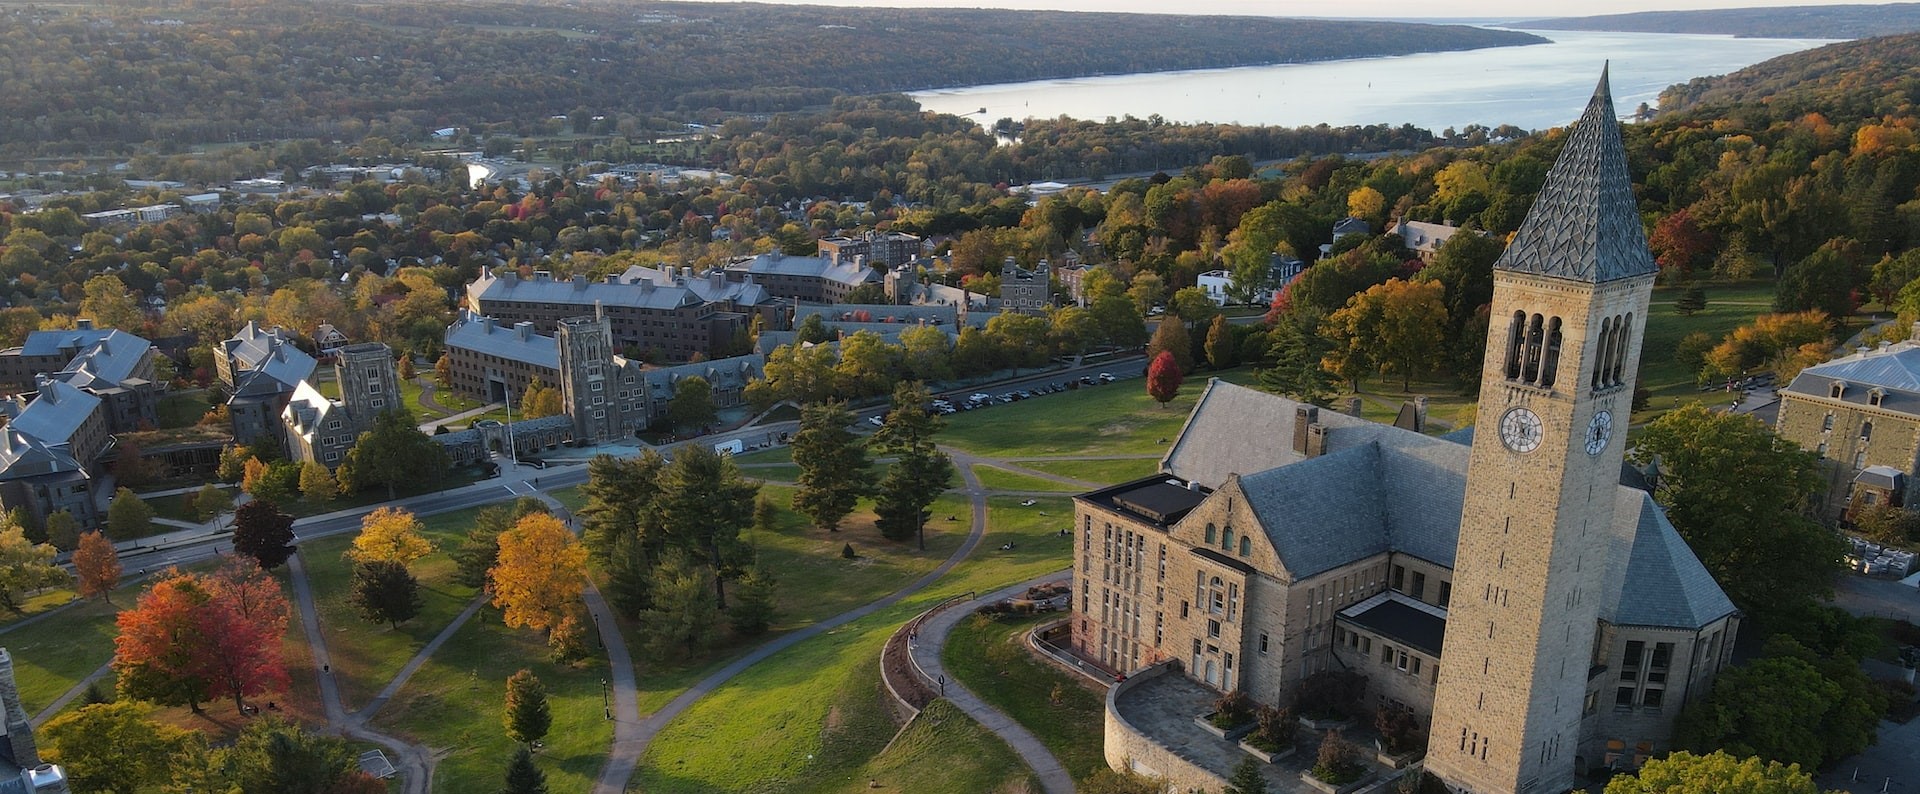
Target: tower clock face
<point x="1520" y="430"/>
<point x="1599" y="432"/>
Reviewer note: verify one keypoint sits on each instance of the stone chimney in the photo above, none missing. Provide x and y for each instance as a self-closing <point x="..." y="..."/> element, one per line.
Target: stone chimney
<point x="579" y="281"/>
<point x="1420" y="410"/>
<point x="1353" y="406"/>
<point x="1304" y="417"/>
<point x="83" y="324"/>
<point x="1316" y="440"/>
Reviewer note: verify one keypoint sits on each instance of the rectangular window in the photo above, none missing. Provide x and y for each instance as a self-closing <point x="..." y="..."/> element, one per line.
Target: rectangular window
<point x="1419" y="589"/>
<point x="1416" y="665"/>
<point x="1400" y="661"/>
<point x="1635" y="650"/>
<point x="1623" y="696"/>
<point x="1652" y="698"/>
<point x="1263" y="643"/>
<point x="1386" y="653"/>
<point x="1446" y="593"/>
<point x="1399" y="577"/>
<point x="1183" y="610"/>
<point x="1213" y="628"/>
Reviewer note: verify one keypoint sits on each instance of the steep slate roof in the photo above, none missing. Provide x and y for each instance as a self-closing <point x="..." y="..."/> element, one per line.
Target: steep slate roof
<point x="308" y="409"/>
<point x="107" y="362"/>
<point x="577" y="292"/>
<point x="56" y="413"/>
<point x="50" y="343"/>
<point x="777" y="263"/>
<point x="1584" y="225"/>
<point x="709" y="288"/>
<point x="1379" y="489"/>
<point x="1215" y="441"/>
<point x="271" y="362"/>
<point x="22" y="455"/>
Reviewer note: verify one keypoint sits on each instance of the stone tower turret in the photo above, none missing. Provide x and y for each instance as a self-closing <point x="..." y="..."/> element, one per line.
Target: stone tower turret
<point x="369" y="382"/>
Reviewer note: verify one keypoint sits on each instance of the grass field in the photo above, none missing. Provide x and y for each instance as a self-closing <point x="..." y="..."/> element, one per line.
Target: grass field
<point x="1115" y="419"/>
<point x="367" y="655"/>
<point x="50" y="656"/>
<point x="454" y="706"/>
<point x="174" y="506"/>
<point x="1107" y="472"/>
<point x="1728" y="307"/>
<point x="990" y="657"/>
<point x="994" y="478"/>
<point x="182" y="408"/>
<point x="40" y="601"/>
<point x="967" y="758"/>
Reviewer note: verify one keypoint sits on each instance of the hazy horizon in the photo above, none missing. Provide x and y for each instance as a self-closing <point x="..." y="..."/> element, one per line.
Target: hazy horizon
<point x="1461" y="10"/>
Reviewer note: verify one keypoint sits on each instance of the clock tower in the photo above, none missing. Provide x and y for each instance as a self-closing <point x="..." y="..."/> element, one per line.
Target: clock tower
<point x="1569" y="304"/>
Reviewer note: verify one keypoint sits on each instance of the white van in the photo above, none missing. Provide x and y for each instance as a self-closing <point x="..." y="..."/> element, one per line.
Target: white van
<point x="733" y="447"/>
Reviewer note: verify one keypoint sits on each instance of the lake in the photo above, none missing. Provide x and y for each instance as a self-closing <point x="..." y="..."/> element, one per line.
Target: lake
<point x="1534" y="87"/>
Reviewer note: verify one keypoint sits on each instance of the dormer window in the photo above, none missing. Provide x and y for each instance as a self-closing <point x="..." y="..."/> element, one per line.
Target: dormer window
<point x="1874" y="397"/>
<point x="1836" y="389"/>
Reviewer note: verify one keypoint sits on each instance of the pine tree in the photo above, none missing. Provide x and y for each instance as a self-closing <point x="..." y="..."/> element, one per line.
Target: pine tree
<point x="1247" y="779"/>
<point x="753" y="608"/>
<point x="834" y="469"/>
<point x="683" y="617"/>
<point x="522" y="776"/>
<point x="920" y="472"/>
<point x="527" y="715"/>
<point x="1691" y="301"/>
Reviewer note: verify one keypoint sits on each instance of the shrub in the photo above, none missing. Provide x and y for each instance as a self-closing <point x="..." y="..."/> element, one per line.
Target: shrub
<point x="1276" y="729"/>
<point x="1231" y="709"/>
<point x="1399" y="729"/>
<point x="1339" y="762"/>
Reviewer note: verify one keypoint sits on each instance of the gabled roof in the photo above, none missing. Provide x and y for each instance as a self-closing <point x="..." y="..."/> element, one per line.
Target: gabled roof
<point x="1325" y="512"/>
<point x="56" y="413"/>
<point x="1894" y="369"/>
<point x="577" y="292"/>
<point x="271" y="362"/>
<point x="22" y="455"/>
<point x="107" y="362"/>
<point x="780" y="264"/>
<point x="1665" y="583"/>
<point x="706" y="286"/>
<point x="52" y="343"/>
<point x="484" y="335"/>
<point x="1584" y="224"/>
<point x="307" y="409"/>
<point x="726" y="373"/>
<point x="1215" y="442"/>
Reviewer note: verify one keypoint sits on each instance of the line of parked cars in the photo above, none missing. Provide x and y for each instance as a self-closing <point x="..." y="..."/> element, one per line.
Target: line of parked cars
<point x="983" y="399"/>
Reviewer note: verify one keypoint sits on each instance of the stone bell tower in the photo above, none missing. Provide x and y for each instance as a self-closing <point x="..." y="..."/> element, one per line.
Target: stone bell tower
<point x="1569" y="305"/>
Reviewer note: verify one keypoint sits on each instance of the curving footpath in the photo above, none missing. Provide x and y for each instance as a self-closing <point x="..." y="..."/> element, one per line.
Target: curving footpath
<point x="930" y="645"/>
<point x="614" y="781"/>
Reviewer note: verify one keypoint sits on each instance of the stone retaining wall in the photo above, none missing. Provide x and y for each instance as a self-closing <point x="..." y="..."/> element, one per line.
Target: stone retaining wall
<point x="1127" y="748"/>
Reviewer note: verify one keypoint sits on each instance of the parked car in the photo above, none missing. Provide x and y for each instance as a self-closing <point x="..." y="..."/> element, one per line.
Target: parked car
<point x="1106" y="377"/>
<point x="876" y="421"/>
<point x="980" y="397"/>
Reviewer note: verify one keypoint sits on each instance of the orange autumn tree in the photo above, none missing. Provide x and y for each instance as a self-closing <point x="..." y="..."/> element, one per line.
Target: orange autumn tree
<point x="192" y="638"/>
<point x="98" y="565"/>
<point x="539" y="574"/>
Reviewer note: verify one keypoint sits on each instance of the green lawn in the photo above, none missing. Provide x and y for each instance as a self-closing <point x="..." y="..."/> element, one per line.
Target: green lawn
<point x="50" y="656"/>
<point x="756" y="732"/>
<point x="1109" y="472"/>
<point x="174" y="506"/>
<point x="182" y="408"/>
<point x="966" y="759"/>
<point x="774" y="473"/>
<point x="37" y="603"/>
<point x="1729" y="306"/>
<point x="991" y="658"/>
<point x="813" y="581"/>
<point x="774" y="455"/>
<point x="1114" y="419"/>
<point x="454" y="706"/>
<point x="994" y="478"/>
<point x="365" y="655"/>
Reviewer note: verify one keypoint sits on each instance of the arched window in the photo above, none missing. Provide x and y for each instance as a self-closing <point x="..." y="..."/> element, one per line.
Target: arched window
<point x="1838" y="388"/>
<point x="1866" y="431"/>
<point x="1875" y="397"/>
<point x="1216" y="596"/>
<point x="1550" y="365"/>
<point x="1212" y="534"/>
<point x="1535" y="336"/>
<point x="1246" y="546"/>
<point x="1624" y="327"/>
<point x="1226" y="540"/>
<point x="1600" y="351"/>
<point x="1516" y="334"/>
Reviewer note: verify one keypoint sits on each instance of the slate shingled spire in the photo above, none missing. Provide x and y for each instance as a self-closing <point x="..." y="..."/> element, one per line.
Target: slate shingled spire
<point x="1584" y="225"/>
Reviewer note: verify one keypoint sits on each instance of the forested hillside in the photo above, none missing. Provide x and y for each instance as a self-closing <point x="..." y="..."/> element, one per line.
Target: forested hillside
<point x="1865" y="78"/>
<point x="1792" y="22"/>
<point x="84" y="78"/>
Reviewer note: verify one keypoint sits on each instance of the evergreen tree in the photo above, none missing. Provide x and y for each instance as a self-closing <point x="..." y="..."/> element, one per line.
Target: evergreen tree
<point x="620" y="494"/>
<point x="682" y="617"/>
<point x="920" y="471"/>
<point x="834" y="469"/>
<point x="527" y="717"/>
<point x="385" y="592"/>
<point x="1297" y="350"/>
<point x="692" y="403"/>
<point x="702" y="506"/>
<point x="753" y="608"/>
<point x="1247" y="779"/>
<point x="629" y="576"/>
<point x="1692" y="301"/>
<point x="523" y="777"/>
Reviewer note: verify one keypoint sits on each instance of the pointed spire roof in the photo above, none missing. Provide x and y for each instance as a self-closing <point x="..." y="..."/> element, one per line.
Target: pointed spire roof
<point x="1584" y="225"/>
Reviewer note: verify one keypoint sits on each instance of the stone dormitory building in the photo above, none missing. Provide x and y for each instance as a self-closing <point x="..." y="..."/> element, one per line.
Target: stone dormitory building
<point x="1861" y="414"/>
<point x="1514" y="584"/>
<point x="676" y="313"/>
<point x="77" y="388"/>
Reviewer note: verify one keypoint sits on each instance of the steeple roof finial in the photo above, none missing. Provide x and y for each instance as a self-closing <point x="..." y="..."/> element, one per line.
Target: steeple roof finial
<point x="1584" y="224"/>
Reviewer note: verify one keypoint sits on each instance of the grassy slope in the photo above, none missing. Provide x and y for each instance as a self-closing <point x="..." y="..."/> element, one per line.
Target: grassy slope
<point x="968" y="759"/>
<point x="989" y="657"/>
<point x="1728" y="307"/>
<point x="50" y="656"/>
<point x="1129" y="423"/>
<point x="1110" y="472"/>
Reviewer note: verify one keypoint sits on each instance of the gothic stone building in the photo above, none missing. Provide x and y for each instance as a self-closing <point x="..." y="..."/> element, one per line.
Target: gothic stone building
<point x="1511" y="586"/>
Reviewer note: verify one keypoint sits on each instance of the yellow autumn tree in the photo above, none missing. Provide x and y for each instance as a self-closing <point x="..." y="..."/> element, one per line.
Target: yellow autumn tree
<point x="1397" y="327"/>
<point x="541" y="400"/>
<point x="390" y="534"/>
<point x="540" y="572"/>
<point x="1366" y="202"/>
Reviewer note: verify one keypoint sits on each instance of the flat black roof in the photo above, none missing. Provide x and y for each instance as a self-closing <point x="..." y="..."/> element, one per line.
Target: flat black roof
<point x="1419" y="630"/>
<point x="1161" y="498"/>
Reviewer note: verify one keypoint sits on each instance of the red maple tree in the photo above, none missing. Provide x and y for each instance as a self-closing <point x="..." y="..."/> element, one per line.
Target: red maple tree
<point x="1163" y="378"/>
<point x="193" y="638"/>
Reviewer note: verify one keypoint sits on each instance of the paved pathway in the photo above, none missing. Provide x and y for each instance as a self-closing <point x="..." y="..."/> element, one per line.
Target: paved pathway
<point x="414" y="664"/>
<point x="414" y="763"/>
<point x="72" y="692"/>
<point x="657" y="721"/>
<point x="966" y="460"/>
<point x="927" y="649"/>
